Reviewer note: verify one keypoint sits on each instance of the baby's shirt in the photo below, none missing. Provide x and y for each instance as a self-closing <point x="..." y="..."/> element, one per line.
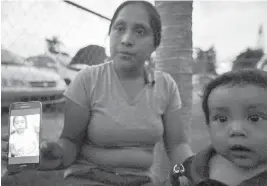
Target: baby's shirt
<point x="198" y="169"/>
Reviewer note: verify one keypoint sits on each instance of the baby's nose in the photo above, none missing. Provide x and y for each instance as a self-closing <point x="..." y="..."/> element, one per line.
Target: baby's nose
<point x="237" y="129"/>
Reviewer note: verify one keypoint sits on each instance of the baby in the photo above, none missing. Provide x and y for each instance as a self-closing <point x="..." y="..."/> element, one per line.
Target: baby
<point x="235" y="108"/>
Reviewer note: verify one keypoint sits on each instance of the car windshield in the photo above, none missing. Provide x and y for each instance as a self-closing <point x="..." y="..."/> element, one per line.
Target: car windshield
<point x="49" y="60"/>
<point x="42" y="60"/>
<point x="9" y="58"/>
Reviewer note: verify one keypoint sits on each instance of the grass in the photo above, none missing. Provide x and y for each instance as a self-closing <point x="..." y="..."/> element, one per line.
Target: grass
<point x="52" y="126"/>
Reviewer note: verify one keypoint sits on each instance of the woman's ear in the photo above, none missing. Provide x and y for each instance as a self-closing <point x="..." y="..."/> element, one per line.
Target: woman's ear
<point x="152" y="59"/>
<point x="153" y="56"/>
<point x="107" y="46"/>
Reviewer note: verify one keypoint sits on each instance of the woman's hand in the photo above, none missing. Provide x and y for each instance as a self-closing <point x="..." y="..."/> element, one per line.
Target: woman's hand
<point x="51" y="156"/>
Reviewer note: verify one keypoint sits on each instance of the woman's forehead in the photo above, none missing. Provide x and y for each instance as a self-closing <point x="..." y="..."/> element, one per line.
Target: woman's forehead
<point x="134" y="14"/>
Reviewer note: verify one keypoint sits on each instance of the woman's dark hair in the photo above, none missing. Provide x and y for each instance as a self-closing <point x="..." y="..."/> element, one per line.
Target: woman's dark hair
<point x="155" y="21"/>
<point x="26" y="124"/>
<point x="234" y="78"/>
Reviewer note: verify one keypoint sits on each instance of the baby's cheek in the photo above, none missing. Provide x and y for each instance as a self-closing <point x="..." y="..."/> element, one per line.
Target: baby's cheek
<point x="261" y="150"/>
<point x="220" y="144"/>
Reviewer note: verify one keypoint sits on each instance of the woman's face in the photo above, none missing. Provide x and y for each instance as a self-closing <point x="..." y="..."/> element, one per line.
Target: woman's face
<point x="131" y="37"/>
<point x="20" y="124"/>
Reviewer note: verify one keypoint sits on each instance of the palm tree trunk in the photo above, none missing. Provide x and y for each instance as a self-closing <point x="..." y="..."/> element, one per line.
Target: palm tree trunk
<point x="174" y="56"/>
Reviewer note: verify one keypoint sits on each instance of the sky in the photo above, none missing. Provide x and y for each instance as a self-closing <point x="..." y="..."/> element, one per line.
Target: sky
<point x="231" y="26"/>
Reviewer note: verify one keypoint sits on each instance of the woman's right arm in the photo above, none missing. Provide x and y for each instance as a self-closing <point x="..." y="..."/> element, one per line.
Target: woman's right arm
<point x="75" y="127"/>
<point x="77" y="113"/>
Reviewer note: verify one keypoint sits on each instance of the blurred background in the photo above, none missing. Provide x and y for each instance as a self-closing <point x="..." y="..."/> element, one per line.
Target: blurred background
<point x="44" y="44"/>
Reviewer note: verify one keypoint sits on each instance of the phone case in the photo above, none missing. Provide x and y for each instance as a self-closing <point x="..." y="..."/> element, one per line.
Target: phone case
<point x="25" y="120"/>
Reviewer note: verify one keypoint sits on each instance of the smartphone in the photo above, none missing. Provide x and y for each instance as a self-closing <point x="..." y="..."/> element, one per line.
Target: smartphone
<point x="24" y="135"/>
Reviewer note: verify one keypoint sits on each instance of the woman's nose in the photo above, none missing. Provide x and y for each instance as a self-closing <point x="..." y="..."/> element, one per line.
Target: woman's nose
<point x="127" y="39"/>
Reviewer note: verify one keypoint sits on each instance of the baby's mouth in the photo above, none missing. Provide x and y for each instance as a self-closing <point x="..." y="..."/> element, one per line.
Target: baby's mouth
<point x="240" y="150"/>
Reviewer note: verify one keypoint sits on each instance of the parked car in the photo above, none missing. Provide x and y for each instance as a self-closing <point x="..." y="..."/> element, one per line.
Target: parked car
<point x="262" y="64"/>
<point x="43" y="61"/>
<point x="55" y="63"/>
<point x="22" y="82"/>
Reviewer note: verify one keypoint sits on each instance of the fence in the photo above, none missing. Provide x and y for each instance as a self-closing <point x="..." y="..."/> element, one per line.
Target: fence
<point x="37" y="65"/>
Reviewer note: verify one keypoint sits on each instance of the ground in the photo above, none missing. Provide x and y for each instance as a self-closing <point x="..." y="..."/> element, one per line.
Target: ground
<point x="51" y="128"/>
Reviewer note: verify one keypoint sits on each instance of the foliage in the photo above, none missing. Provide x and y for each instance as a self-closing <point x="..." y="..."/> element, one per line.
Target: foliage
<point x="205" y="61"/>
<point x="53" y="44"/>
<point x="247" y="59"/>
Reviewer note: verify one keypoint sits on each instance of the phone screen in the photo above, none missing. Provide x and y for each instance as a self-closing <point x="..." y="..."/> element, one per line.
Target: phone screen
<point x="24" y="134"/>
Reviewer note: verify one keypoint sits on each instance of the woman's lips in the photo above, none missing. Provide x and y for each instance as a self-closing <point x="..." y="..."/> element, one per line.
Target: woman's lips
<point x="126" y="55"/>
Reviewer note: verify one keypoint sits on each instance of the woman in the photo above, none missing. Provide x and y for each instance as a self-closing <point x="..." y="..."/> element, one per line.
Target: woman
<point x="117" y="111"/>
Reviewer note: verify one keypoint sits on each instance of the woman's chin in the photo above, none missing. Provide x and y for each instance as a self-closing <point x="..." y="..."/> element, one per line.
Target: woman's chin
<point x="126" y="65"/>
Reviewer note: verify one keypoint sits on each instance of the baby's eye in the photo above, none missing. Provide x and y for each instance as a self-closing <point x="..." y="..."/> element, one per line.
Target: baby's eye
<point x="140" y="32"/>
<point x="221" y="119"/>
<point x="255" y="118"/>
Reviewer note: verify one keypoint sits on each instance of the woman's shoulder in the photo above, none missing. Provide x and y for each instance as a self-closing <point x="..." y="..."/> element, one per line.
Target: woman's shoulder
<point x="97" y="67"/>
<point x="94" y="71"/>
<point x="164" y="79"/>
<point x="161" y="75"/>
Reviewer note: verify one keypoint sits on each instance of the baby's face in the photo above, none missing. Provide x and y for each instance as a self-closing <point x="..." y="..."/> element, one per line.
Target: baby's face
<point x="238" y="124"/>
<point x="19" y="124"/>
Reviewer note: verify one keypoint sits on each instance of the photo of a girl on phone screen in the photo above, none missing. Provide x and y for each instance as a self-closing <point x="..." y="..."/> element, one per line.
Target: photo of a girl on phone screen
<point x="23" y="139"/>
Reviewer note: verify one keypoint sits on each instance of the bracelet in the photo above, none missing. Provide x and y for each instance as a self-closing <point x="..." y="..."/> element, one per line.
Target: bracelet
<point x="180" y="170"/>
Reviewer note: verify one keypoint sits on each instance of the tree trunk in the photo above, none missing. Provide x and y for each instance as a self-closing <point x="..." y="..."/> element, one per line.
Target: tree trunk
<point x="174" y="56"/>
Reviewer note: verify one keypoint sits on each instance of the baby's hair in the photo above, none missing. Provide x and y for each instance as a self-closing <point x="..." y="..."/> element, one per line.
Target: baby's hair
<point x="234" y="78"/>
<point x="26" y="124"/>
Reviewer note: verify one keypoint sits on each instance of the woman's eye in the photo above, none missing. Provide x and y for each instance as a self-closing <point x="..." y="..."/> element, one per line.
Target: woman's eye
<point x="119" y="28"/>
<point x="255" y="118"/>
